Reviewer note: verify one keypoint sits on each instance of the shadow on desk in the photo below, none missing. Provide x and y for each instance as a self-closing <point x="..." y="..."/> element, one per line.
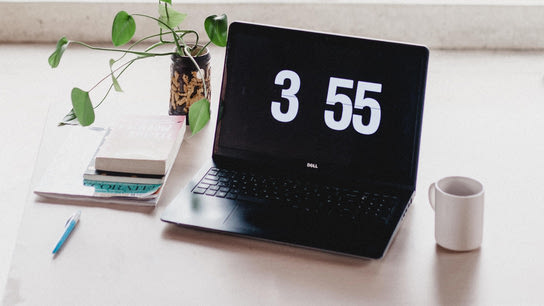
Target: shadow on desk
<point x="456" y="274"/>
<point x="239" y="244"/>
<point x="149" y="210"/>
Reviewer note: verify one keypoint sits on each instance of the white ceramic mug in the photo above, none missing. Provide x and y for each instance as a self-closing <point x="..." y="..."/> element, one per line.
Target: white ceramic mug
<point x="458" y="203"/>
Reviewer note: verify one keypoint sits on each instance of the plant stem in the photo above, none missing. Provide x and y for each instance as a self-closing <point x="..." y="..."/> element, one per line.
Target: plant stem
<point x="175" y="36"/>
<point x="127" y="64"/>
<point x="122" y="50"/>
<point x="109" y="74"/>
<point x="199" y="71"/>
<point x="166" y="10"/>
<point x="144" y="39"/>
<point x="134" y="45"/>
<point x="203" y="48"/>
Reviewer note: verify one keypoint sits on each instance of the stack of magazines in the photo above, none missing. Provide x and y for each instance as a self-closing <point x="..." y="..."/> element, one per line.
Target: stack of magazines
<point x="127" y="163"/>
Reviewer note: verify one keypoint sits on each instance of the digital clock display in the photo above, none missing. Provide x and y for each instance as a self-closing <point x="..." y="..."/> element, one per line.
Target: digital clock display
<point x="342" y="105"/>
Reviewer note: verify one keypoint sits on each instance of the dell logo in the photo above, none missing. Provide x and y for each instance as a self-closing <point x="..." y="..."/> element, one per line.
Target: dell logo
<point x="311" y="165"/>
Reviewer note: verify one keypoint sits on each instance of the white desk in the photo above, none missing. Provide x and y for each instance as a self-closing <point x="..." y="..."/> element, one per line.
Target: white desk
<point x="484" y="117"/>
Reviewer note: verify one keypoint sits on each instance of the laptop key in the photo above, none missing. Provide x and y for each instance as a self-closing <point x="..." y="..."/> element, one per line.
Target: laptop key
<point x="231" y="196"/>
<point x="207" y="181"/>
<point x="214" y="187"/>
<point x="203" y="185"/>
<point x="221" y="194"/>
<point x="211" y="177"/>
<point x="199" y="190"/>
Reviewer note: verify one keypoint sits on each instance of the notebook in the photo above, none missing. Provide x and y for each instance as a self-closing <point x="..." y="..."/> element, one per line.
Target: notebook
<point x="316" y="143"/>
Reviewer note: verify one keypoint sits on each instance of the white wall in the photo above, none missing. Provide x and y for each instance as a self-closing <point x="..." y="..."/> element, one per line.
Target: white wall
<point x="436" y="23"/>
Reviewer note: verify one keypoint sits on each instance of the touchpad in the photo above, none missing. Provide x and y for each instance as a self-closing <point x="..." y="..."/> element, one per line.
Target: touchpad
<point x="198" y="210"/>
<point x="261" y="221"/>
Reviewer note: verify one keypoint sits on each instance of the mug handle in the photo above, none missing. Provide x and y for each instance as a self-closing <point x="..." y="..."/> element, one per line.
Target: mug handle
<point x="432" y="193"/>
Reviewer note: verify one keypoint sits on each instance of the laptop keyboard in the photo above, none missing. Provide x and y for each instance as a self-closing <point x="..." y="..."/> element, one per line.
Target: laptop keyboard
<point x="304" y="197"/>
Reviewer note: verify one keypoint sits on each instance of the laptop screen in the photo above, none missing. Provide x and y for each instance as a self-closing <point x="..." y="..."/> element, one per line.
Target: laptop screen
<point x="344" y="108"/>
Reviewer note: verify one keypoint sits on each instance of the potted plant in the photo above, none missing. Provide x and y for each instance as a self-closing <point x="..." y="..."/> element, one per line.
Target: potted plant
<point x="195" y="94"/>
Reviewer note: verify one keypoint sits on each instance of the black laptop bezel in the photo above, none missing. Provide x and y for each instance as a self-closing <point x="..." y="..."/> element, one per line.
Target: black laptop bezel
<point x="241" y="158"/>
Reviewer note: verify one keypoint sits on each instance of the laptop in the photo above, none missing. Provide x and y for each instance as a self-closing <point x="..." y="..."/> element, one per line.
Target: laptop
<point x="316" y="143"/>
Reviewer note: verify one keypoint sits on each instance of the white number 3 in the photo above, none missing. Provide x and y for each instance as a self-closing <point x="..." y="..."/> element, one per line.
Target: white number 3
<point x="289" y="94"/>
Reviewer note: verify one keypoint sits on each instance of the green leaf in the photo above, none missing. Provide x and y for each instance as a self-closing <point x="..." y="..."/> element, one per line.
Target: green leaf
<point x="68" y="119"/>
<point x="54" y="58"/>
<point x="216" y="28"/>
<point x="116" y="83"/>
<point x="113" y="78"/>
<point x="199" y="115"/>
<point x="123" y="28"/>
<point x="83" y="108"/>
<point x="167" y="1"/>
<point x="170" y="17"/>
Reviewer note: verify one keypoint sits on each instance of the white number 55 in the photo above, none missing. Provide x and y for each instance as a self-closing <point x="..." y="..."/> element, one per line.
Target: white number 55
<point x="361" y="102"/>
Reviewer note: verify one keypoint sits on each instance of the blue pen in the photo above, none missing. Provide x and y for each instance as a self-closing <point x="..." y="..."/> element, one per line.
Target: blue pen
<point x="68" y="228"/>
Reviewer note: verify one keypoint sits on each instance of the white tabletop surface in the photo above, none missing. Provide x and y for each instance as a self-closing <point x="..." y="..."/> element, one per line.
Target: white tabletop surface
<point x="484" y="118"/>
